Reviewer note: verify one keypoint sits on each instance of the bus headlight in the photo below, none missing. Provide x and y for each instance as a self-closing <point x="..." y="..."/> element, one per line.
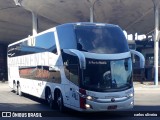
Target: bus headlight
<point x="130" y="95"/>
<point x="87" y="106"/>
<point x="89" y="98"/>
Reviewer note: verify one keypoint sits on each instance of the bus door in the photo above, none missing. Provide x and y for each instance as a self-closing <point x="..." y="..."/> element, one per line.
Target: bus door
<point x="74" y="96"/>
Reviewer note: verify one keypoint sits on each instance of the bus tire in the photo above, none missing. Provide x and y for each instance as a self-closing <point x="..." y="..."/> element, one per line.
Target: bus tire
<point x="19" y="92"/>
<point x="60" y="103"/>
<point x="49" y="98"/>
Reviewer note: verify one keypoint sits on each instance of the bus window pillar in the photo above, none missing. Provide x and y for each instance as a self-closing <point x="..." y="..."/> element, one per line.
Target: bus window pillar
<point x="156" y="41"/>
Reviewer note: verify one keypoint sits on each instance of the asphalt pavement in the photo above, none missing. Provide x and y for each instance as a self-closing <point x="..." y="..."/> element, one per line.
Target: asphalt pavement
<point x="147" y="102"/>
<point x="146" y="85"/>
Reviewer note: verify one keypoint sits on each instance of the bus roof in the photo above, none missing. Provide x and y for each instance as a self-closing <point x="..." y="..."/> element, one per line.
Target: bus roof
<point x="62" y="25"/>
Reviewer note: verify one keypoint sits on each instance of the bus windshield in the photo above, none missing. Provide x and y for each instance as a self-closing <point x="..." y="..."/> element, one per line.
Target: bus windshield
<point x="103" y="75"/>
<point x="101" y="39"/>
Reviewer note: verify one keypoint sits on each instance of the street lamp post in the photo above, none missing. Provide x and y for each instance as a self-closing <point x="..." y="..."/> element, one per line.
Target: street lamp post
<point x="156" y="41"/>
<point x="92" y="3"/>
<point x="34" y="23"/>
<point x="34" y="18"/>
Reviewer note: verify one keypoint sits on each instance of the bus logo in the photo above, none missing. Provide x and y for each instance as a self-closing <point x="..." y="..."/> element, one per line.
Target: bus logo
<point x="113" y="100"/>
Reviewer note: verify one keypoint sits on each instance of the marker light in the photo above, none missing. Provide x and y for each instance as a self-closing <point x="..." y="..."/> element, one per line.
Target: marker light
<point x="131" y="95"/>
<point x="131" y="103"/>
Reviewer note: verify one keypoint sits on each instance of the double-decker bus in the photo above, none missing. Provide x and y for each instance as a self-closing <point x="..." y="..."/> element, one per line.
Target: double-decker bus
<point x="82" y="66"/>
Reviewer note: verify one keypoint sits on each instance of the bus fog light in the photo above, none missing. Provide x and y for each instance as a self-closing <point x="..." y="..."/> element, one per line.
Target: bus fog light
<point x="87" y="106"/>
<point x="132" y="103"/>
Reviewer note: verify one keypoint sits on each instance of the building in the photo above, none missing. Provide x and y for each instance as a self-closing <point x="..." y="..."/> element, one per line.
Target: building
<point x="146" y="47"/>
<point x="3" y="62"/>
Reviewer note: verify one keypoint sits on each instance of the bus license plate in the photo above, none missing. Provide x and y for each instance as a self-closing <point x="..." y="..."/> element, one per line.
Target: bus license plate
<point x="112" y="107"/>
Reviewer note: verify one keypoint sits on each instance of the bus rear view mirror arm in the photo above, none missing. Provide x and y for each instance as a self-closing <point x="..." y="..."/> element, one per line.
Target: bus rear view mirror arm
<point x="140" y="55"/>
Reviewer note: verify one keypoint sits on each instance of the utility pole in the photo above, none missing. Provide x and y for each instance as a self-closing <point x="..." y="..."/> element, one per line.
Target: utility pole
<point x="91" y="8"/>
<point x="34" y="18"/>
<point x="91" y="13"/>
<point x="156" y="40"/>
<point x="34" y="23"/>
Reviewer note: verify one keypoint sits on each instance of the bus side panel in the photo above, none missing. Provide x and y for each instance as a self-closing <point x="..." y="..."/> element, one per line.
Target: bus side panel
<point x="12" y="75"/>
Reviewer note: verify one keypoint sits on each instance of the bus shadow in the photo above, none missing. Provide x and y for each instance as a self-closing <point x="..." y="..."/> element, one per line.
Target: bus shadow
<point x="39" y="100"/>
<point x="95" y="115"/>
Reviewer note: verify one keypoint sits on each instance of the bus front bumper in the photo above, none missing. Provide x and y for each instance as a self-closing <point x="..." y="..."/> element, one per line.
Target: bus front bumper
<point x="112" y="106"/>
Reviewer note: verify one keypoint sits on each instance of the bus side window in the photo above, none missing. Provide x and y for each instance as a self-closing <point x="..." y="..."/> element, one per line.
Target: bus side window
<point x="47" y="42"/>
<point x="73" y="73"/>
<point x="43" y="43"/>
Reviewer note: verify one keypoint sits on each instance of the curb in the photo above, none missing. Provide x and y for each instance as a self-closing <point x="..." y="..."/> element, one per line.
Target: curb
<point x="150" y="87"/>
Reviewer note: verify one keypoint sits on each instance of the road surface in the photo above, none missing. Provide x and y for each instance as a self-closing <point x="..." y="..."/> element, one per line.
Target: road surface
<point x="147" y="102"/>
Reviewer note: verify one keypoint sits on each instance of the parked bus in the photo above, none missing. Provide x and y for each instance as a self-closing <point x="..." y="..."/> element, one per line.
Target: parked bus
<point x="82" y="66"/>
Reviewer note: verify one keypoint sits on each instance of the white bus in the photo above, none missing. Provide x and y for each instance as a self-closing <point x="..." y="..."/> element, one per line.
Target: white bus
<point x="82" y="66"/>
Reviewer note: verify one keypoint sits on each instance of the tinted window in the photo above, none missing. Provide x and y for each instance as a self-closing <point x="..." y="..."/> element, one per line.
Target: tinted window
<point x="42" y="73"/>
<point x="101" y="39"/>
<point x="42" y="43"/>
<point x="73" y="73"/>
<point x="71" y="68"/>
<point x="108" y="75"/>
<point x="66" y="37"/>
<point x="45" y="41"/>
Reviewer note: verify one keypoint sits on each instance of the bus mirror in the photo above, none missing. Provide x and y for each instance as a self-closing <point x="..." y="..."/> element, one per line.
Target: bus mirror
<point x="140" y="55"/>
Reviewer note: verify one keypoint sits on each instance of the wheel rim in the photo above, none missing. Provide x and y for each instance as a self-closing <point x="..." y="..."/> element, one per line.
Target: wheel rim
<point x="59" y="102"/>
<point x="49" y="99"/>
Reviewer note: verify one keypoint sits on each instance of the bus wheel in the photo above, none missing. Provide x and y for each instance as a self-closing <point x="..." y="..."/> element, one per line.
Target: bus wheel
<point x="19" y="92"/>
<point x="49" y="98"/>
<point x="60" y="102"/>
